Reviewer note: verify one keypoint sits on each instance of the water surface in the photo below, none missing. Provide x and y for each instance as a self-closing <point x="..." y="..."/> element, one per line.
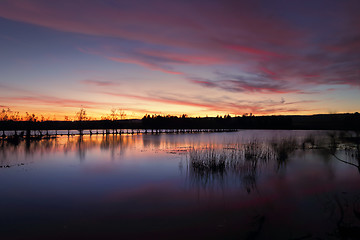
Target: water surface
<point x="142" y="186"/>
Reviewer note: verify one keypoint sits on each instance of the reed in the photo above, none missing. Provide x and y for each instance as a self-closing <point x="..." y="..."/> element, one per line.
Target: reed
<point x="283" y="148"/>
<point x="208" y="159"/>
<point x="212" y="159"/>
<point x="241" y="158"/>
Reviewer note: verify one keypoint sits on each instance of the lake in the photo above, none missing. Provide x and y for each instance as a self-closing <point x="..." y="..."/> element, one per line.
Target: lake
<point x="270" y="185"/>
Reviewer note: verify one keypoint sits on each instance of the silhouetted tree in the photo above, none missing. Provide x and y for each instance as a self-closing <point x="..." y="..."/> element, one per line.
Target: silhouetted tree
<point x="81" y="115"/>
<point x="8" y="115"/>
<point x="30" y="117"/>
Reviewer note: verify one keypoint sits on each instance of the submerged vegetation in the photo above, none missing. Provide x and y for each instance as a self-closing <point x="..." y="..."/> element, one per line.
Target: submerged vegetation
<point x="244" y="161"/>
<point x="282" y="149"/>
<point x="211" y="164"/>
<point x="233" y="157"/>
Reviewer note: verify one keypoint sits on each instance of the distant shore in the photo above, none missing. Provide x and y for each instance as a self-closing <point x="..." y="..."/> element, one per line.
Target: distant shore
<point x="349" y="121"/>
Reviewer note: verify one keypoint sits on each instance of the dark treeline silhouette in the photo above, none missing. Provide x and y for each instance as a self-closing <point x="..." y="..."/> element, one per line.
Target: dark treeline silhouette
<point x="322" y="122"/>
<point x="349" y="121"/>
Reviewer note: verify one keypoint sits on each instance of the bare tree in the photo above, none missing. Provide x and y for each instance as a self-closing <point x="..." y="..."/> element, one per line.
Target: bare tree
<point x="8" y="115"/>
<point x="122" y="114"/>
<point x="116" y="114"/>
<point x="30" y="117"/>
<point x="81" y="115"/>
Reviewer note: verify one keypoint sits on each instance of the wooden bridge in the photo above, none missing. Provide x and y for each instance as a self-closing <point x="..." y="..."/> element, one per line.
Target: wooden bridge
<point x="39" y="134"/>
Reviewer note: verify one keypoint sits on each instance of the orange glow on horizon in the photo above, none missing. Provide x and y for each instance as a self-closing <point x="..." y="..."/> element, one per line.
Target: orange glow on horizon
<point x="98" y="115"/>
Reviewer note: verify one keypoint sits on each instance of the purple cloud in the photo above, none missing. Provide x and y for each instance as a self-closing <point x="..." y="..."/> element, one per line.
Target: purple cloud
<point x="249" y="83"/>
<point x="270" y="48"/>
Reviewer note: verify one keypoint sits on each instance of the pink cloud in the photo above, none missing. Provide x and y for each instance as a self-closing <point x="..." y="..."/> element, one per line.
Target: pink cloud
<point x="267" y="71"/>
<point x="142" y="63"/>
<point x="250" y="83"/>
<point x="98" y="83"/>
<point x="162" y="100"/>
<point x="53" y="101"/>
<point x="243" y="33"/>
<point x="219" y="104"/>
<point x="158" y="60"/>
<point x="223" y="105"/>
<point x="132" y="57"/>
<point x="204" y="82"/>
<point x="162" y="23"/>
<point x="64" y="102"/>
<point x="182" y="58"/>
<point x="250" y="50"/>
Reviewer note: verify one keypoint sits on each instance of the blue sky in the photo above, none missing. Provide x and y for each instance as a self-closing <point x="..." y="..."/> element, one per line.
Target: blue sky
<point x="173" y="57"/>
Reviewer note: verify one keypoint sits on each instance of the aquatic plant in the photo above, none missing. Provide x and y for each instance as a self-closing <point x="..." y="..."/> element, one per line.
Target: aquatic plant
<point x="333" y="142"/>
<point x="207" y="159"/>
<point x="308" y="142"/>
<point x="210" y="164"/>
<point x="283" y="148"/>
<point x="243" y="161"/>
<point x="255" y="150"/>
<point x="210" y="158"/>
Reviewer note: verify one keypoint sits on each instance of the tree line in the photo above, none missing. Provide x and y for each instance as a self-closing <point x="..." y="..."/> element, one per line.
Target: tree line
<point x="117" y="120"/>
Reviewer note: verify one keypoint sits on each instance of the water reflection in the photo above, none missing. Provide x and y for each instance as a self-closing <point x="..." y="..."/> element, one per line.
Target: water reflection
<point x="343" y="211"/>
<point x="250" y="184"/>
<point x="208" y="167"/>
<point x="237" y="163"/>
<point x="12" y="152"/>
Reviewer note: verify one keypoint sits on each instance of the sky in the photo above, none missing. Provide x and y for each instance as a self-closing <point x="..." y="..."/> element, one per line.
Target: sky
<point x="198" y="57"/>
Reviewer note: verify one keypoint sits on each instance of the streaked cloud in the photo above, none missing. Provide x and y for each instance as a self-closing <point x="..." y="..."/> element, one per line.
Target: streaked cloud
<point x="98" y="83"/>
<point x="255" y="49"/>
<point x="222" y="104"/>
<point x="248" y="83"/>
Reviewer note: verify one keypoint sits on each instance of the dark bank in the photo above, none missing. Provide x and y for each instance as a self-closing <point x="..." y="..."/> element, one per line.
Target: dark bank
<point x="347" y="121"/>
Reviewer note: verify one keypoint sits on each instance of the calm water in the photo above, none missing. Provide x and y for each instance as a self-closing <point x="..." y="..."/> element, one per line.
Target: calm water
<point x="142" y="186"/>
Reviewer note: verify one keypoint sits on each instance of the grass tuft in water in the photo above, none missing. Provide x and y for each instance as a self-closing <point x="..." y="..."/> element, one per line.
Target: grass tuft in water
<point x="283" y="147"/>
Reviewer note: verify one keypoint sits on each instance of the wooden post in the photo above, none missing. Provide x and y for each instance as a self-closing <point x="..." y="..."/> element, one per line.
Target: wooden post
<point x="28" y="134"/>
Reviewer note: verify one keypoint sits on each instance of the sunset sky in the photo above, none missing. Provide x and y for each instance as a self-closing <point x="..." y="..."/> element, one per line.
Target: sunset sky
<point x="200" y="58"/>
